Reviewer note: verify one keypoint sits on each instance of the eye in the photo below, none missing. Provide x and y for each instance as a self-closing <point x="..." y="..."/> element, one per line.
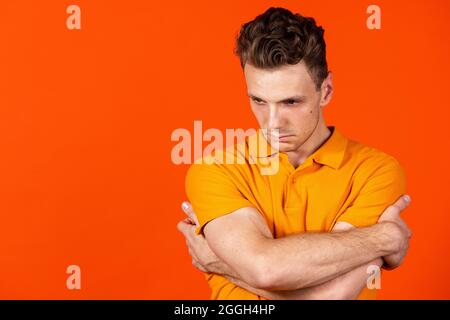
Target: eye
<point x="291" y="102"/>
<point x="258" y="101"/>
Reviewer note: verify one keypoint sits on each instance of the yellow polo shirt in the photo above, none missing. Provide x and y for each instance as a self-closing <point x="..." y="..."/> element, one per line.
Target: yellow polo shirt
<point x="343" y="180"/>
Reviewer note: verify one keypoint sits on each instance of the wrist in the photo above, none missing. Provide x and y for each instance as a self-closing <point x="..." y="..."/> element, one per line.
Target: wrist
<point x="220" y="268"/>
<point x="387" y="237"/>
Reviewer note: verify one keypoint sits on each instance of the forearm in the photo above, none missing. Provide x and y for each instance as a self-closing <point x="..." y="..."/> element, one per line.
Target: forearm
<point x="316" y="258"/>
<point x="346" y="286"/>
<point x="296" y="261"/>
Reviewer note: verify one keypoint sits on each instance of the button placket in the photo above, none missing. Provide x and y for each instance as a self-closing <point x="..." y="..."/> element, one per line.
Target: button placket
<point x="292" y="180"/>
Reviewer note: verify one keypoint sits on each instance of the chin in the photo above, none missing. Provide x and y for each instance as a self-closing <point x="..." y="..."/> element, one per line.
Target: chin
<point x="290" y="146"/>
<point x="285" y="147"/>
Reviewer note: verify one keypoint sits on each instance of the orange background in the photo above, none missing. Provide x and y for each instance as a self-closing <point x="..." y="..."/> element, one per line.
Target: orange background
<point x="87" y="115"/>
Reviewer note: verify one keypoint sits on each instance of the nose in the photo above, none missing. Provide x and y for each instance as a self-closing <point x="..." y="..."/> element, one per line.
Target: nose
<point x="274" y="118"/>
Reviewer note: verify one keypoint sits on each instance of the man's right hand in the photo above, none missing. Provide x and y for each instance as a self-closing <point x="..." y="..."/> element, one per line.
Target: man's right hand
<point x="398" y="230"/>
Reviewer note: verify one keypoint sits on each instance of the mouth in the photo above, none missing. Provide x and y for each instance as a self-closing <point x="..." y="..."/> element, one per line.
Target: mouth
<point x="282" y="137"/>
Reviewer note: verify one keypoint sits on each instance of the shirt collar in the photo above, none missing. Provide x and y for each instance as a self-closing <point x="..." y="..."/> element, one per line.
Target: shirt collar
<point x="331" y="153"/>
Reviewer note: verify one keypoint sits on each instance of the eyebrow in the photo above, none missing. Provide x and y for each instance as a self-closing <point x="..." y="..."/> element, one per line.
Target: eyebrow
<point x="297" y="97"/>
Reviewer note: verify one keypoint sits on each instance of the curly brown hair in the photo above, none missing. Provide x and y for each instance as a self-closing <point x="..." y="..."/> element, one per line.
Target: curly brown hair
<point x="279" y="37"/>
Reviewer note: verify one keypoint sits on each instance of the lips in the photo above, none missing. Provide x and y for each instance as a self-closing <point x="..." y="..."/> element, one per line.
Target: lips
<point x="284" y="138"/>
<point x="279" y="135"/>
<point x="274" y="135"/>
<point x="281" y="138"/>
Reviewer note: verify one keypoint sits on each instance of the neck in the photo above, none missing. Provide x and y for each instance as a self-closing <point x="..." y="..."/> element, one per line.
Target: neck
<point x="320" y="134"/>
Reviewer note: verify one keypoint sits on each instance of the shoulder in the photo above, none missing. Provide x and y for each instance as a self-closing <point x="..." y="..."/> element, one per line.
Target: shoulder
<point x="371" y="164"/>
<point x="224" y="163"/>
<point x="370" y="158"/>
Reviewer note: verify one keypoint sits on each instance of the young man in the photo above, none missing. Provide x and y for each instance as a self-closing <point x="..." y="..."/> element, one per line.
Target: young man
<point x="313" y="228"/>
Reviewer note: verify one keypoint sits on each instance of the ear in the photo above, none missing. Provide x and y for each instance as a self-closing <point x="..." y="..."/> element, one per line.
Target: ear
<point x="326" y="90"/>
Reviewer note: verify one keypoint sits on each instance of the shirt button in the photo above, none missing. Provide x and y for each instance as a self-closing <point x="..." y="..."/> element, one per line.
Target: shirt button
<point x="294" y="180"/>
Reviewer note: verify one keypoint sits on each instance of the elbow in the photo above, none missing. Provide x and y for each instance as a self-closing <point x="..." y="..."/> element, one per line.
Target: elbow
<point x="270" y="276"/>
<point x="263" y="274"/>
<point x="264" y="281"/>
<point x="274" y="280"/>
<point x="269" y="272"/>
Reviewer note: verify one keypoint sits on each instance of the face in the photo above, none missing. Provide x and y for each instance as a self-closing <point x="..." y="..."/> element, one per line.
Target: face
<point x="287" y="99"/>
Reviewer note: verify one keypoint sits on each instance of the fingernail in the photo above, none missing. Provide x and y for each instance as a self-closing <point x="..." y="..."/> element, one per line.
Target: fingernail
<point x="185" y="206"/>
<point x="407" y="198"/>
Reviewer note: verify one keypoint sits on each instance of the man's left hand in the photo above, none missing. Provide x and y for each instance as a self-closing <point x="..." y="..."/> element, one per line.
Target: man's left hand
<point x="203" y="258"/>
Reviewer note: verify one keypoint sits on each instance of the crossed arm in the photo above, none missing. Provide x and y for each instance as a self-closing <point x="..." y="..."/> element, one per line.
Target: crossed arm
<point x="240" y="247"/>
<point x="345" y="286"/>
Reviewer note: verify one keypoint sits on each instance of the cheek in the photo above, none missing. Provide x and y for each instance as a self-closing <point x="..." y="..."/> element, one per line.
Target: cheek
<point x="260" y="115"/>
<point x="313" y="113"/>
<point x="303" y="116"/>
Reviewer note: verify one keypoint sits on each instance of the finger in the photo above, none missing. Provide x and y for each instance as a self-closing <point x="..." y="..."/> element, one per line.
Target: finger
<point x="181" y="226"/>
<point x="198" y="266"/>
<point x="189" y="234"/>
<point x="193" y="255"/>
<point x="187" y="208"/>
<point x="192" y="252"/>
<point x="185" y="227"/>
<point x="189" y="221"/>
<point x="406" y="228"/>
<point x="402" y="202"/>
<point x="408" y="232"/>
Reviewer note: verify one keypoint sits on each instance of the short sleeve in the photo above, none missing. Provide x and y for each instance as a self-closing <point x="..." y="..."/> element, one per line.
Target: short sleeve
<point x="381" y="188"/>
<point x="212" y="193"/>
